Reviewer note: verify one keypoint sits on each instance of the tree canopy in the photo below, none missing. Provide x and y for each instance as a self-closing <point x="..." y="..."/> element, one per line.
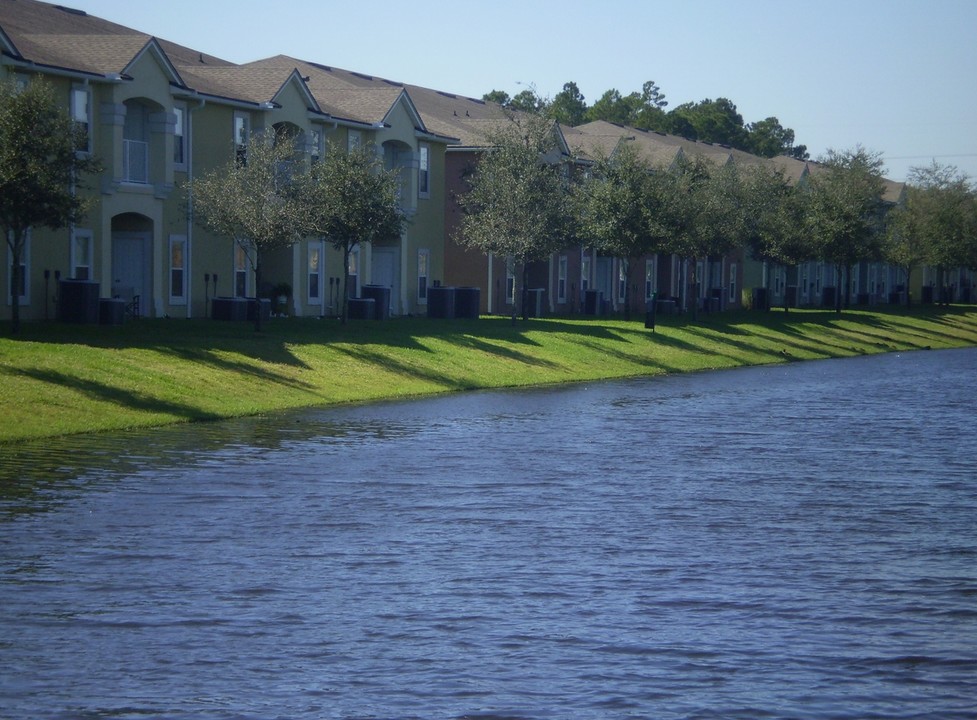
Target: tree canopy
<point x="518" y="205"/>
<point x="845" y="210"/>
<point x="257" y="201"/>
<point x="716" y="121"/>
<point x="41" y="170"/>
<point x="352" y="199"/>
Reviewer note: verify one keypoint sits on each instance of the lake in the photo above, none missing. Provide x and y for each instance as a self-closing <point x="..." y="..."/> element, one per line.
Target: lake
<point x="788" y="541"/>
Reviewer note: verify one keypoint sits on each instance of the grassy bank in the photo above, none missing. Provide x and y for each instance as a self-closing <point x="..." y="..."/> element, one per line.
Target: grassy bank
<point x="57" y="379"/>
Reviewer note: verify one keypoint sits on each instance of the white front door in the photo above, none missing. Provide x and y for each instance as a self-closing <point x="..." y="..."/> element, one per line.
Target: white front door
<point x="130" y="268"/>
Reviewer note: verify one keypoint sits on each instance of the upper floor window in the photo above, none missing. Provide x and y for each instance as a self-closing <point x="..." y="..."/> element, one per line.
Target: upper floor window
<point x="179" y="137"/>
<point x="424" y="171"/>
<point x="81" y="114"/>
<point x="135" y="143"/>
<point x="354" y="139"/>
<point x="242" y="134"/>
<point x="315" y="145"/>
<point x="81" y="254"/>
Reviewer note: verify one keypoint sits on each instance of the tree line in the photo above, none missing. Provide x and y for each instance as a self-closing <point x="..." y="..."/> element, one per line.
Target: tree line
<point x="716" y="121"/>
<point x="525" y="208"/>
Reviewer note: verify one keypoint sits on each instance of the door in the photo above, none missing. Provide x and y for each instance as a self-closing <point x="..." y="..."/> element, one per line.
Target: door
<point x="385" y="271"/>
<point x="130" y="269"/>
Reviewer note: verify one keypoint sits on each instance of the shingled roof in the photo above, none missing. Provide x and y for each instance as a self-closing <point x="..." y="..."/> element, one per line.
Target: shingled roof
<point x="57" y="37"/>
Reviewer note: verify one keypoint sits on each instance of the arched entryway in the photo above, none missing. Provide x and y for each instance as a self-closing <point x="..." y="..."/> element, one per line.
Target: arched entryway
<point x="132" y="261"/>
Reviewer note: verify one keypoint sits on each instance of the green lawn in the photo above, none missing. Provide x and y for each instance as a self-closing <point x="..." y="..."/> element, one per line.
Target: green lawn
<point x="60" y="379"/>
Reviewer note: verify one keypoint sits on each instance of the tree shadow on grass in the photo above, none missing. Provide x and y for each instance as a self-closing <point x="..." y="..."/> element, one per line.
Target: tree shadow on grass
<point x="115" y="395"/>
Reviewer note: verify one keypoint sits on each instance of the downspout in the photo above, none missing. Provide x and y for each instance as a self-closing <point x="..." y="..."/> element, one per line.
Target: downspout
<point x="189" y="253"/>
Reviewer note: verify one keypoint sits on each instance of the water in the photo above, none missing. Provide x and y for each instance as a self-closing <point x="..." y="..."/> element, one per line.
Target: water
<point x="795" y="541"/>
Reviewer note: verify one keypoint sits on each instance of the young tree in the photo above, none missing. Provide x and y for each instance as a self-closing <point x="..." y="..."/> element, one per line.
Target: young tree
<point x="351" y="199"/>
<point x="255" y="201"/>
<point x="845" y="211"/>
<point x="773" y="219"/>
<point x="518" y="204"/>
<point x="707" y="215"/>
<point x="40" y="171"/>
<point x="618" y="211"/>
<point x="938" y="218"/>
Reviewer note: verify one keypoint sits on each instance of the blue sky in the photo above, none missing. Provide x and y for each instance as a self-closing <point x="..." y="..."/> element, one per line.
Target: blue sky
<point x="896" y="76"/>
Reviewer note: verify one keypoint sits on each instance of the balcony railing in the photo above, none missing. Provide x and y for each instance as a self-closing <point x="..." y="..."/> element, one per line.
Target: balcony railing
<point x="135" y="161"/>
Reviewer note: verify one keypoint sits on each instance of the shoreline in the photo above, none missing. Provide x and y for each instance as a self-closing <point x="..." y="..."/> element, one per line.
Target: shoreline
<point x="62" y="379"/>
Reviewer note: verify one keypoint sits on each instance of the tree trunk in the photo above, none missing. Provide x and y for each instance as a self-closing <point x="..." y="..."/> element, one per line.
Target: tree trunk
<point x="628" y="294"/>
<point x="257" y="291"/>
<point x="344" y="308"/>
<point x="695" y="289"/>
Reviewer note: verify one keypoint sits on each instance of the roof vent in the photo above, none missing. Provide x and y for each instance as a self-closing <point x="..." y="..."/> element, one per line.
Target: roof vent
<point x="81" y="13"/>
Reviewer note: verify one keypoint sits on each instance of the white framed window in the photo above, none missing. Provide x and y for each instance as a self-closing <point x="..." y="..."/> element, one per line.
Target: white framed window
<point x="180" y="137"/>
<point x="178" y="269"/>
<point x="81" y="254"/>
<point x="423" y="275"/>
<point x="622" y="280"/>
<point x="354" y="272"/>
<point x="732" y="283"/>
<point x="510" y="282"/>
<point x="25" y="272"/>
<point x="242" y="135"/>
<point x="354" y="139"/>
<point x="81" y="114"/>
<point x="561" y="280"/>
<point x="651" y="277"/>
<point x="423" y="171"/>
<point x="315" y="145"/>
<point x="584" y="272"/>
<point x="315" y="273"/>
<point x="241" y="274"/>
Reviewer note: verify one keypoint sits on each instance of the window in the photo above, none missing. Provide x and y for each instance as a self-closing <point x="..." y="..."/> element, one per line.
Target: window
<point x="240" y="270"/>
<point x="584" y="273"/>
<point x="81" y="114"/>
<point x="424" y="171"/>
<point x="510" y="282"/>
<point x="25" y="266"/>
<point x="242" y="134"/>
<point x="423" y="273"/>
<point x="81" y="254"/>
<point x="178" y="267"/>
<point x="651" y="277"/>
<point x="179" y="137"/>
<point x="135" y="143"/>
<point x="315" y="146"/>
<point x="561" y="280"/>
<point x="354" y="139"/>
<point x="622" y="280"/>
<point x="315" y="273"/>
<point x="354" y="272"/>
<point x="732" y="283"/>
